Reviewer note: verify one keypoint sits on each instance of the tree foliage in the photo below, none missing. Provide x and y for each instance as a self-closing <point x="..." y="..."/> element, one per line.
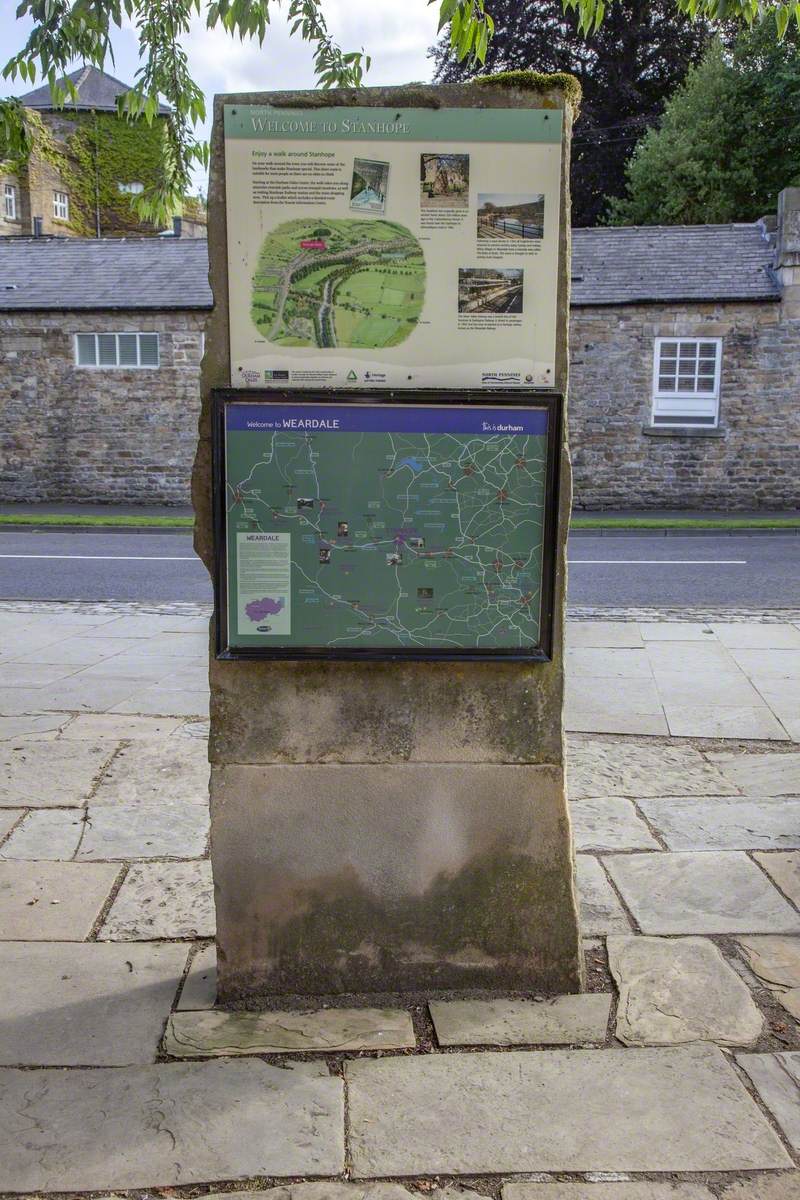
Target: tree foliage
<point x="66" y="31"/>
<point x="627" y="71"/>
<point x="729" y="140"/>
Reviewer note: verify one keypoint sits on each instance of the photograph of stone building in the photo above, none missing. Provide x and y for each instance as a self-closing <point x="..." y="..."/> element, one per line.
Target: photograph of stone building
<point x="444" y="180"/>
<point x="369" y="185"/>
<point x="490" y="290"/>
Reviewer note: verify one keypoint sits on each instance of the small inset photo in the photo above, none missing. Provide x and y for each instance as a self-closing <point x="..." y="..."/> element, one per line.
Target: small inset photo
<point x="424" y="593"/>
<point x="324" y="554"/>
<point x="489" y="290"/>
<point x="343" y="529"/>
<point x="305" y="502"/>
<point x="444" y="180"/>
<point x="369" y="185"/>
<point x="394" y="558"/>
<point x="511" y="215"/>
<point x="417" y="543"/>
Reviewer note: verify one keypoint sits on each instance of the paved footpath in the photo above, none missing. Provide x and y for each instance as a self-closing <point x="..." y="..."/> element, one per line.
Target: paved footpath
<point x="676" y="1076"/>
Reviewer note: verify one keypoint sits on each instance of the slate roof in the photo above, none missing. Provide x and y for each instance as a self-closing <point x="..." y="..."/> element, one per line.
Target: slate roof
<point x="661" y="263"/>
<point x="110" y="273"/>
<point x="97" y="92"/>
<point x="626" y="265"/>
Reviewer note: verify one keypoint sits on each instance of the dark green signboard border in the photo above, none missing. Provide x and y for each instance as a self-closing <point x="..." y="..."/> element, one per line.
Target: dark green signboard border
<point x="549" y="403"/>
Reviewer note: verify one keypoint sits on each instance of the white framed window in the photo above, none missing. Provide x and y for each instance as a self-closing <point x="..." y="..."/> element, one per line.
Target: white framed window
<point x="117" y="350"/>
<point x="686" y="375"/>
<point x="10" y="201"/>
<point x="61" y="206"/>
<point x="131" y="189"/>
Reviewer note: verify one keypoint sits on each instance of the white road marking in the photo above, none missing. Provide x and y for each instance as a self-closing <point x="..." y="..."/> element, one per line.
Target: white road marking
<point x="644" y="562"/>
<point x="111" y="557"/>
<point x="663" y="562"/>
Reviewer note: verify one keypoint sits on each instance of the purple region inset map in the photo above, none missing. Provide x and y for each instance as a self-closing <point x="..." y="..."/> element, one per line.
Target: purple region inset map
<point x="257" y="610"/>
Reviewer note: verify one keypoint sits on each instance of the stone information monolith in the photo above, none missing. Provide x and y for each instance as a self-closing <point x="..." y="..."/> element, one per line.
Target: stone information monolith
<point x="387" y="793"/>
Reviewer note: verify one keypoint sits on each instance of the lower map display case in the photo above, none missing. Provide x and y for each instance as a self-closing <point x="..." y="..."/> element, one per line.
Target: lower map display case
<point x="385" y="526"/>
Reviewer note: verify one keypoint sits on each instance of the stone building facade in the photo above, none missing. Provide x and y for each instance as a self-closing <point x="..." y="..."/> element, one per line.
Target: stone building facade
<point x="644" y="303"/>
<point x="736" y="288"/>
<point x="85" y="165"/>
<point x="102" y="431"/>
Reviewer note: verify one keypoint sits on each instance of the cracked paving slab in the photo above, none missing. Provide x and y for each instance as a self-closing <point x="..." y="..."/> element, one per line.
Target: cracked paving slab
<point x="165" y="1125"/>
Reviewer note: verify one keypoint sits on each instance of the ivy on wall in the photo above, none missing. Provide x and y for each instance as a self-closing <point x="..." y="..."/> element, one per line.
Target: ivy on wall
<point x="97" y="152"/>
<point x="93" y="153"/>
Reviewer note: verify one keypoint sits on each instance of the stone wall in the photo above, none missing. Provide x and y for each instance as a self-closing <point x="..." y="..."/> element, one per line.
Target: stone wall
<point x="751" y="461"/>
<point x="97" y="435"/>
<point x="128" y="436"/>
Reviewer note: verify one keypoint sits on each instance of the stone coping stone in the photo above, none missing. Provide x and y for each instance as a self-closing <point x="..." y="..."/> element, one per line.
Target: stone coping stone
<point x="777" y="1079"/>
<point x="86" y="1004"/>
<point x="616" y="1190"/>
<point x="764" y="774"/>
<point x="676" y="1109"/>
<point x="704" y="892"/>
<point x="42" y="774"/>
<point x="725" y="823"/>
<point x="330" y="1030"/>
<point x="200" y="987"/>
<point x="168" y="1124"/>
<point x="560" y="1020"/>
<point x="53" y="901"/>
<point x="674" y="990"/>
<point x="162" y="900"/>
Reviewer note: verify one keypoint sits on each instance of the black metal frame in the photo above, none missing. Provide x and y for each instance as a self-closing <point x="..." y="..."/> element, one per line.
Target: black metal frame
<point x="550" y="401"/>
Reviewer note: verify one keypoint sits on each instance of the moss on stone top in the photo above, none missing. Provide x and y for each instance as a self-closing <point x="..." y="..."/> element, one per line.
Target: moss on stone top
<point x="537" y="81"/>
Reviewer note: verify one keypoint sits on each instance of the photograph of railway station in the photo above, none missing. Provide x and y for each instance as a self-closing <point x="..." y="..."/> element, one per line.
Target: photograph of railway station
<point x="490" y="290"/>
<point x="369" y="185"/>
<point x="444" y="180"/>
<point x="505" y="215"/>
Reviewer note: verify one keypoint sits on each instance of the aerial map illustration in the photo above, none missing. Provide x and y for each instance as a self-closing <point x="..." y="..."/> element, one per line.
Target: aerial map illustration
<point x="399" y="538"/>
<point x="355" y="283"/>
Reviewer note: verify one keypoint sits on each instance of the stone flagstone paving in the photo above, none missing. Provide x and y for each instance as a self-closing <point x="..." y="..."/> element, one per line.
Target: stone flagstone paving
<point x="106" y="902"/>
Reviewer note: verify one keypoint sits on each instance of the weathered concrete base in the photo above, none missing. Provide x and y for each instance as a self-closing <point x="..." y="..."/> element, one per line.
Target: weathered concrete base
<point x="340" y="878"/>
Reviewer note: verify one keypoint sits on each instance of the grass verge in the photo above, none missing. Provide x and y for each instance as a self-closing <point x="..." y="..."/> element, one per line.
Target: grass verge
<point x="64" y="520"/>
<point x="685" y="523"/>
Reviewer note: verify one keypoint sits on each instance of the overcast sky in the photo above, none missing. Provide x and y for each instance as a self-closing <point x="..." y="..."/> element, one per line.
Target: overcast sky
<point x="397" y="33"/>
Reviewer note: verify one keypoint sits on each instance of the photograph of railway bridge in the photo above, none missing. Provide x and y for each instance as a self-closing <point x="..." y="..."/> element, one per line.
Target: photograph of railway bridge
<point x="506" y="215"/>
<point x="444" y="180"/>
<point x="369" y="186"/>
<point x="490" y="290"/>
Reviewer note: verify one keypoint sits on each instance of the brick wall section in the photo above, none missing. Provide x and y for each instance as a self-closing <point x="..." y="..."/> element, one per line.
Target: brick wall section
<point x="128" y="436"/>
<point x="117" y="436"/>
<point x="754" y="459"/>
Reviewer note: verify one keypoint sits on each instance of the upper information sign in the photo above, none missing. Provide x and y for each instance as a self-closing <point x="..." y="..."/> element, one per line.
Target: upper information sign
<point x="372" y="247"/>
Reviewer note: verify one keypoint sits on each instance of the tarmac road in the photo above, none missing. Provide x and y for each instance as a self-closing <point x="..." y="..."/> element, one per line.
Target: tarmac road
<point x="708" y="571"/>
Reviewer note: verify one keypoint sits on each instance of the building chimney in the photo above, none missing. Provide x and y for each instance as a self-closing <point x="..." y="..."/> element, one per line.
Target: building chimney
<point x="177" y="226"/>
<point x="787" y="250"/>
<point x="37" y="226"/>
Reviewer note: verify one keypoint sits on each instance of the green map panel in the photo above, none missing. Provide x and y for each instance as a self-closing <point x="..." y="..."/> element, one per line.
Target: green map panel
<point x="397" y="540"/>
<point x="351" y="283"/>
